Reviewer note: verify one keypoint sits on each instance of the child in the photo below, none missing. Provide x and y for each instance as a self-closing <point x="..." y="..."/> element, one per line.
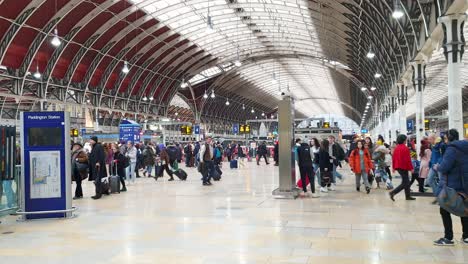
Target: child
<point x="416" y="165"/>
<point x="379" y="158"/>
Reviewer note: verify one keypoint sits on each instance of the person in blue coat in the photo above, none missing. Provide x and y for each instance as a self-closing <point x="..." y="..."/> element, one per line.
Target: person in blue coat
<point x="453" y="167"/>
<point x="438" y="149"/>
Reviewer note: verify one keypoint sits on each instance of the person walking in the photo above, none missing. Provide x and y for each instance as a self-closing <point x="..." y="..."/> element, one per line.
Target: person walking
<point x="166" y="164"/>
<point x="149" y="158"/>
<point x="361" y="164"/>
<point x="305" y="168"/>
<point x="79" y="168"/>
<point x="262" y="153"/>
<point x="326" y="166"/>
<point x="119" y="166"/>
<point x="337" y="154"/>
<point x="401" y="162"/>
<point x="276" y="153"/>
<point x="425" y="155"/>
<point x="437" y="151"/>
<point x="315" y="149"/>
<point x="97" y="162"/>
<point x="188" y="154"/>
<point x="206" y="161"/>
<point x="132" y="155"/>
<point x="453" y="169"/>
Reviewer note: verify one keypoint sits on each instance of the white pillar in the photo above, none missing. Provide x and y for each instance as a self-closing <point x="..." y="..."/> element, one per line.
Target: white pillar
<point x="453" y="51"/>
<point x="419" y="82"/>
<point x="402" y="99"/>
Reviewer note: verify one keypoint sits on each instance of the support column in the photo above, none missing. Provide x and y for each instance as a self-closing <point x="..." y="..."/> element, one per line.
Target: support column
<point x="402" y="99"/>
<point x="454" y="43"/>
<point x="419" y="83"/>
<point x="394" y="119"/>
<point x="287" y="169"/>
<point x="96" y="120"/>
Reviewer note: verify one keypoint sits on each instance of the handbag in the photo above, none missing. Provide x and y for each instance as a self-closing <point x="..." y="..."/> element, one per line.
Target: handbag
<point x="82" y="166"/>
<point x="452" y="201"/>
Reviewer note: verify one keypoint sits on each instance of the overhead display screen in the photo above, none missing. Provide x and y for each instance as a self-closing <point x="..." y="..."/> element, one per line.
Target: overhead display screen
<point x="45" y="136"/>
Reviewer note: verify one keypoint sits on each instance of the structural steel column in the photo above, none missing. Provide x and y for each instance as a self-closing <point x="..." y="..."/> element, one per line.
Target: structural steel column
<point x="287" y="169"/>
<point x="454" y="43"/>
<point x="419" y="83"/>
<point x="394" y="118"/>
<point x="402" y="99"/>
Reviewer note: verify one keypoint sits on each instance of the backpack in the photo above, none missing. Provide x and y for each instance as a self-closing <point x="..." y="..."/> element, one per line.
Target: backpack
<point x="217" y="153"/>
<point x="304" y="154"/>
<point x="172" y="152"/>
<point x="127" y="162"/>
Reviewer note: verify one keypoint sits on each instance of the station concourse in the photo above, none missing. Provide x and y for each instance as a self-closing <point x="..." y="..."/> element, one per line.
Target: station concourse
<point x="183" y="131"/>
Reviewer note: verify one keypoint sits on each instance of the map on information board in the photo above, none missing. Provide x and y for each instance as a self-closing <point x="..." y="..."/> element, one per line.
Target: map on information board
<point x="45" y="174"/>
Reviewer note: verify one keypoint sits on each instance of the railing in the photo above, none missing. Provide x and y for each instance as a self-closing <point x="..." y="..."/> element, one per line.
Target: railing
<point x="9" y="194"/>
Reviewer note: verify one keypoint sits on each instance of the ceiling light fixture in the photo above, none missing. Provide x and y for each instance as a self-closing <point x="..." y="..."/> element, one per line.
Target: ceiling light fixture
<point x="213" y="94"/>
<point x="263" y="114"/>
<point x="397" y="12"/>
<point x="151" y="98"/>
<point x="205" y="95"/>
<point x="274" y="80"/>
<point x="378" y="75"/>
<point x="373" y="88"/>
<point x="370" y="97"/>
<point x="209" y="22"/>
<point x="370" y="54"/>
<point x="238" y="62"/>
<point x="55" y="40"/>
<point x="252" y="111"/>
<point x="363" y="89"/>
<point x="145" y="98"/>
<point x="37" y="74"/>
<point x="183" y="85"/>
<point x="227" y="102"/>
<point x="125" y="68"/>
<point x="243" y="106"/>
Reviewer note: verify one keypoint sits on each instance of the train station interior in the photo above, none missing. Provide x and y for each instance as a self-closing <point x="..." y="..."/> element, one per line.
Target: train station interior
<point x="233" y="131"/>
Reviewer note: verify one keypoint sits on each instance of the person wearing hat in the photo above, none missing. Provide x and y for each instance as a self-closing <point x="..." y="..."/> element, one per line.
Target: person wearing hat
<point x="97" y="165"/>
<point x="79" y="168"/>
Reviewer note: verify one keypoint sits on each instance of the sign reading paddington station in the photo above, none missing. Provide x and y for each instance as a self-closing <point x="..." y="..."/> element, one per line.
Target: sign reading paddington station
<point x="45" y="117"/>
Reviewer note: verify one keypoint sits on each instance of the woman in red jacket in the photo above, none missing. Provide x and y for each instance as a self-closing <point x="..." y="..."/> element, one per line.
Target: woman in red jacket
<point x="402" y="163"/>
<point x="361" y="163"/>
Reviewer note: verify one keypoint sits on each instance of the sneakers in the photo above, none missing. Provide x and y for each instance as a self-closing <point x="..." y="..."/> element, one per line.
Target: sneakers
<point x="367" y="190"/>
<point x="358" y="189"/>
<point x="316" y="195"/>
<point x="332" y="187"/>
<point x="444" y="242"/>
<point x="323" y="189"/>
<point x="463" y="241"/>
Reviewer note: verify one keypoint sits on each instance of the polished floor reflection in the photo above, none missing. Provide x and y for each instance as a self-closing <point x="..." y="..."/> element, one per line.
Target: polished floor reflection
<point x="234" y="221"/>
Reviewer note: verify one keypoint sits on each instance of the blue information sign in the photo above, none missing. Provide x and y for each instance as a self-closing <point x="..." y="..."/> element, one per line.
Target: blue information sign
<point x="46" y="181"/>
<point x="363" y="131"/>
<point x="410" y="125"/>
<point x="197" y="130"/>
<point x="235" y="129"/>
<point x="129" y="131"/>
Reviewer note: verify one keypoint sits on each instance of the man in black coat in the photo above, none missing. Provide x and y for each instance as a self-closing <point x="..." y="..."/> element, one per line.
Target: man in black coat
<point x="304" y="160"/>
<point x="262" y="152"/>
<point x="97" y="164"/>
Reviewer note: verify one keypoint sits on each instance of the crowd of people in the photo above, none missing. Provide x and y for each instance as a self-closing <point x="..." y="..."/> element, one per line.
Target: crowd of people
<point x="441" y="163"/>
<point x="97" y="161"/>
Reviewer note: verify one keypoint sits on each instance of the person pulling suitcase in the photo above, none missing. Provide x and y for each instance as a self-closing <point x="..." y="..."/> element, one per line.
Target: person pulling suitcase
<point x="119" y="161"/>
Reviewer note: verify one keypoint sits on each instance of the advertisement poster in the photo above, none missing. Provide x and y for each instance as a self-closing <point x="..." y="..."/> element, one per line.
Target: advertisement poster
<point x="45" y="174"/>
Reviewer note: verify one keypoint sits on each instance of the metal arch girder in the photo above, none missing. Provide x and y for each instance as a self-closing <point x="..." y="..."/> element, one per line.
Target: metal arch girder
<point x="17" y="25"/>
<point x="171" y="55"/>
<point x="77" y="58"/>
<point x="382" y="20"/>
<point x="195" y="66"/>
<point x="33" y="49"/>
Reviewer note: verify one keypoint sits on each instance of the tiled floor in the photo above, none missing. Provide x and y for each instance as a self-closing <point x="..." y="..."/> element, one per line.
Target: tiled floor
<point x="234" y="221"/>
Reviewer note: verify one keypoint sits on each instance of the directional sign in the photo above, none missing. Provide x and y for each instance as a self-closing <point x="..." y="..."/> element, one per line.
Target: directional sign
<point x="410" y="125"/>
<point x="235" y="129"/>
<point x="197" y="130"/>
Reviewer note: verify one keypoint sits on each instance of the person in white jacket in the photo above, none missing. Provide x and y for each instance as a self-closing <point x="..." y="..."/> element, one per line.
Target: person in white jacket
<point x="132" y="155"/>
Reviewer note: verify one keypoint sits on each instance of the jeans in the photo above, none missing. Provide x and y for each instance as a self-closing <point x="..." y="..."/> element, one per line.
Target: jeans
<point x="307" y="171"/>
<point x="197" y="159"/>
<point x="405" y="184"/>
<point x="336" y="174"/>
<point x="364" y="177"/>
<point x="447" y="221"/>
<point x="433" y="180"/>
<point x="149" y="169"/>
<point x="131" y="172"/>
<point x="207" y="170"/>
<point x="5" y="187"/>
<point x="317" y="173"/>
<point x="187" y="160"/>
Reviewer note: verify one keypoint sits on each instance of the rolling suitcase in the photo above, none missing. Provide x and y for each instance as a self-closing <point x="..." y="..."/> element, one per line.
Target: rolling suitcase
<point x="114" y="179"/>
<point x="299" y="182"/>
<point x="233" y="164"/>
<point x="181" y="174"/>
<point x="217" y="174"/>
